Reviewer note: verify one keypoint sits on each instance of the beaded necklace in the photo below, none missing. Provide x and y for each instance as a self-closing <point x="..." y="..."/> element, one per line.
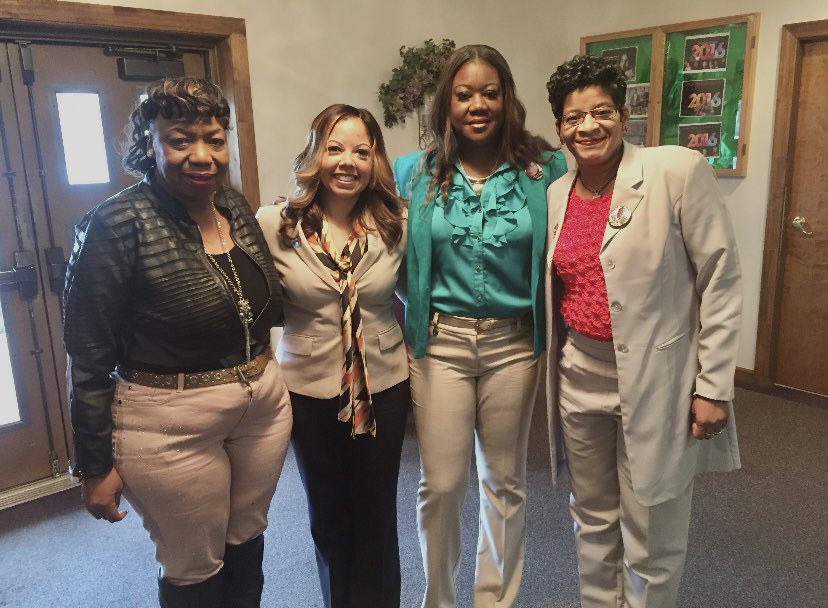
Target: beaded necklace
<point x="243" y="304"/>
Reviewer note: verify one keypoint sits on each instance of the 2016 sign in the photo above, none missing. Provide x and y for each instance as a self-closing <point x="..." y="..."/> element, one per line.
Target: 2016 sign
<point x="706" y="53"/>
<point x="702" y="97"/>
<point x="702" y="137"/>
<point x="708" y="50"/>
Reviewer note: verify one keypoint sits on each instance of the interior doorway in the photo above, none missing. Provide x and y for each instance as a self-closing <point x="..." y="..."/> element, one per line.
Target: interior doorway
<point x="68" y="80"/>
<point x="64" y="108"/>
<point x="793" y="327"/>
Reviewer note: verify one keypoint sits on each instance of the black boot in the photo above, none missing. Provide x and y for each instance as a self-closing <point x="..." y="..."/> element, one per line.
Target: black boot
<point x="206" y="594"/>
<point x="243" y="576"/>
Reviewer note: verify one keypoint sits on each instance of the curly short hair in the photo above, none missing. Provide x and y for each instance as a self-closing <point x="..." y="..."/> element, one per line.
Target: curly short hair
<point x="186" y="99"/>
<point x="583" y="71"/>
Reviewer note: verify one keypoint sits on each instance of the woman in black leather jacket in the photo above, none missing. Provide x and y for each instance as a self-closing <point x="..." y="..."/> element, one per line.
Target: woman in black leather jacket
<point x="176" y="400"/>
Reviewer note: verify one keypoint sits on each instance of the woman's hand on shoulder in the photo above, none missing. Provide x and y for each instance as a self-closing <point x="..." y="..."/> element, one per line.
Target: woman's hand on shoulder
<point x="102" y="496"/>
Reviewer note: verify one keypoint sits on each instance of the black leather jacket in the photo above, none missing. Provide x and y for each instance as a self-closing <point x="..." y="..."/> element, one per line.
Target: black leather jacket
<point x="139" y="291"/>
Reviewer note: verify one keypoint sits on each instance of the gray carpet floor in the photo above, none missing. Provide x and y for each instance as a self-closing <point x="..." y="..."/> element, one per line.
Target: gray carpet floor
<point x="757" y="538"/>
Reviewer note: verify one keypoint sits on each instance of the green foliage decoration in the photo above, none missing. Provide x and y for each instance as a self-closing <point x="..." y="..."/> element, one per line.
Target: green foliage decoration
<point x="415" y="78"/>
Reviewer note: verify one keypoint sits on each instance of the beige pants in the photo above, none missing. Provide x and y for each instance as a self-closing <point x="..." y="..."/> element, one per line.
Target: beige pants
<point x="474" y="390"/>
<point x="200" y="466"/>
<point x="629" y="555"/>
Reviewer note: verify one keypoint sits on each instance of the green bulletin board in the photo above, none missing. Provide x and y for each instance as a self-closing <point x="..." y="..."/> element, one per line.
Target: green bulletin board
<point x="704" y="72"/>
<point x="690" y="84"/>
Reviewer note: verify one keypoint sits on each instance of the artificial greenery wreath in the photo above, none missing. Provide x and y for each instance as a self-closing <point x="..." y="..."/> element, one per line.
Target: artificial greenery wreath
<point x="415" y="78"/>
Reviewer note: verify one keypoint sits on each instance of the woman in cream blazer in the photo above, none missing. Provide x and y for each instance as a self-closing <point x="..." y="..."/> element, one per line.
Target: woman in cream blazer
<point x="312" y="340"/>
<point x="338" y="244"/>
<point x="643" y="312"/>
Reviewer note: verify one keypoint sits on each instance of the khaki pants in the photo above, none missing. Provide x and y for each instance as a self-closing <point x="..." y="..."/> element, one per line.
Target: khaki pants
<point x="474" y="390"/>
<point x="629" y="555"/>
<point x="200" y="465"/>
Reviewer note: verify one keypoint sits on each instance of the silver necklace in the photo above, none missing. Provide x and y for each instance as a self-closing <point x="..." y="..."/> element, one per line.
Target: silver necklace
<point x="244" y="308"/>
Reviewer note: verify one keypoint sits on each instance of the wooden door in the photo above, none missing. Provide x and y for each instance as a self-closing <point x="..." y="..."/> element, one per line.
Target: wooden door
<point x="32" y="438"/>
<point x="800" y="360"/>
<point x="52" y="96"/>
<point x="801" y="357"/>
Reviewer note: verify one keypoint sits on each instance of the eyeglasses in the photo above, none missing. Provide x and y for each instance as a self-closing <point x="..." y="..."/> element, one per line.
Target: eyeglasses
<point x="573" y="119"/>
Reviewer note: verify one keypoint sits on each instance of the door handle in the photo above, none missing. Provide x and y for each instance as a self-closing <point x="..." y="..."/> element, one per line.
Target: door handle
<point x="23" y="274"/>
<point x="799" y="222"/>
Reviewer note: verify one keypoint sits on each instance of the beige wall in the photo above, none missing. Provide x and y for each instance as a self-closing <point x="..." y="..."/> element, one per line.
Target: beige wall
<point x="306" y="54"/>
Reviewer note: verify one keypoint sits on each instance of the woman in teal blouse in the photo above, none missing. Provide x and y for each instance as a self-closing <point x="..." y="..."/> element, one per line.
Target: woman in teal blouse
<point x="474" y="320"/>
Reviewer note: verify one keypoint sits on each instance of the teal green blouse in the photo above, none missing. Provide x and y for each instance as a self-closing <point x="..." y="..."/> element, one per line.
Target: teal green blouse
<point x="481" y="248"/>
<point x="413" y="184"/>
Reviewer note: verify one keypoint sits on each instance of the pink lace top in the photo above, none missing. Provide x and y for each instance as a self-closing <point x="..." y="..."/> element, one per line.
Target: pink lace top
<point x="584" y="303"/>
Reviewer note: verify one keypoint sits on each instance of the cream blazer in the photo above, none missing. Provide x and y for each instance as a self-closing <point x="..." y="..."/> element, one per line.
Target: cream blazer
<point x="673" y="286"/>
<point x="310" y="351"/>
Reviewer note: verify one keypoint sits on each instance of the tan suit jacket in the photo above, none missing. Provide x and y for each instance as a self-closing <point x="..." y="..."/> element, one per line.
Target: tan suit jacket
<point x="310" y="351"/>
<point x="673" y="286"/>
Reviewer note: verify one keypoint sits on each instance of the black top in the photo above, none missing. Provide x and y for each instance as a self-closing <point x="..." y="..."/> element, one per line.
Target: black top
<point x="141" y="293"/>
<point x="254" y="289"/>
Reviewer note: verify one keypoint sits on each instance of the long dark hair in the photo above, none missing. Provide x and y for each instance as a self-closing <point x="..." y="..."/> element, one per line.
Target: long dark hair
<point x="518" y="146"/>
<point x="378" y="206"/>
<point x="188" y="99"/>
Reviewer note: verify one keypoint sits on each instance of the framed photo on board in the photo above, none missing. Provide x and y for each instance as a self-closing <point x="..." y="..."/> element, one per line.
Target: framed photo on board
<point x="705" y="53"/>
<point x="702" y="97"/>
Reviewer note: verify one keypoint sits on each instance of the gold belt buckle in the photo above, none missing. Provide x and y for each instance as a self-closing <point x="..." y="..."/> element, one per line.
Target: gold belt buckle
<point x="485" y="324"/>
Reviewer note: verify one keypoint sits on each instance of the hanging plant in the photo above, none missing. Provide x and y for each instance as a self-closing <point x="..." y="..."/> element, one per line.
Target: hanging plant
<point x="413" y="80"/>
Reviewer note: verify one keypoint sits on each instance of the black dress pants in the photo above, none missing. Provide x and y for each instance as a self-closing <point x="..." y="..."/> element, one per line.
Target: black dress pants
<point x="351" y="486"/>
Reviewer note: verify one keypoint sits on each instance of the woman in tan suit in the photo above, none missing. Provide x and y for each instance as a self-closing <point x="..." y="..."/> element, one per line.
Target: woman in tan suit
<point x="643" y="309"/>
<point x="338" y="243"/>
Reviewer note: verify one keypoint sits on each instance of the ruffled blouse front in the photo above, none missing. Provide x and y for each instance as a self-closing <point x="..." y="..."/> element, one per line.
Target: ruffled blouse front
<point x="500" y="201"/>
<point x="482" y="248"/>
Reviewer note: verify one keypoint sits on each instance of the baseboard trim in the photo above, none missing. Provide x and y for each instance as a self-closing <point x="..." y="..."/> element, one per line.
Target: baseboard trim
<point x="747" y="378"/>
<point x="750" y="380"/>
<point x="37" y="489"/>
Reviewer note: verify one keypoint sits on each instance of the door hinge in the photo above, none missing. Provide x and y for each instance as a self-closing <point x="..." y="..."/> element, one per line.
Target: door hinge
<point x="55" y="463"/>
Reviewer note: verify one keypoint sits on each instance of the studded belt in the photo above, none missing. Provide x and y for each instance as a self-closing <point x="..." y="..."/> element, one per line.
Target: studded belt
<point x="240" y="373"/>
<point x="441" y="318"/>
